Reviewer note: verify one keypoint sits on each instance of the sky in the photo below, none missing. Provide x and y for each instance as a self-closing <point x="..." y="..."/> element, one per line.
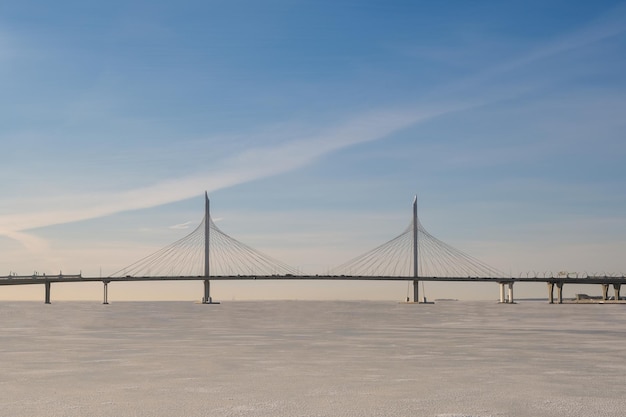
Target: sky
<point x="311" y="125"/>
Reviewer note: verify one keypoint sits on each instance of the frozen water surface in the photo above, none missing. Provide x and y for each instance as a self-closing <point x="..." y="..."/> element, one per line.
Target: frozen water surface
<point x="312" y="358"/>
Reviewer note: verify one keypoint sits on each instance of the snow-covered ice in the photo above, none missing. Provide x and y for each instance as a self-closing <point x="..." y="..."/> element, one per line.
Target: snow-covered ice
<point x="312" y="358"/>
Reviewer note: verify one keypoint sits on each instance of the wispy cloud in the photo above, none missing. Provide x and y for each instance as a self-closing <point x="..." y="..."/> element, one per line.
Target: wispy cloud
<point x="246" y="166"/>
<point x="30" y="242"/>
<point x="610" y="24"/>
<point x="181" y="226"/>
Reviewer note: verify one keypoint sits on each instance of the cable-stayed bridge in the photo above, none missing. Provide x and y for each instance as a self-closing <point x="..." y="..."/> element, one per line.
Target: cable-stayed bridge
<point x="208" y="254"/>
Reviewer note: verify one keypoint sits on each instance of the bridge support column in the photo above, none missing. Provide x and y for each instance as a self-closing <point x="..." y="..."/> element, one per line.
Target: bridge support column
<point x="551" y="292"/>
<point x="207" y="292"/>
<point x="502" y="292"/>
<point x="106" y="292"/>
<point x="605" y="292"/>
<point x="616" y="287"/>
<point x="416" y="291"/>
<point x="559" y="292"/>
<point x="47" y="286"/>
<point x="511" y="299"/>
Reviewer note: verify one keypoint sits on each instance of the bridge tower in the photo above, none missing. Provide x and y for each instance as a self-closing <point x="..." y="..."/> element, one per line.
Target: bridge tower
<point x="415" y="248"/>
<point x="207" y="271"/>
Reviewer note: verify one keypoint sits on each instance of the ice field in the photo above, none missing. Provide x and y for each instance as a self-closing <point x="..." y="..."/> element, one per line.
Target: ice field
<point x="312" y="358"/>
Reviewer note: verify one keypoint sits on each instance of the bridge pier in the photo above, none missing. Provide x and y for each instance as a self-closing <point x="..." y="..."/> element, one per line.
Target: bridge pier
<point x="207" y="292"/>
<point x="106" y="292"/>
<point x="559" y="292"/>
<point x="503" y="297"/>
<point x="416" y="291"/>
<point x="47" y="286"/>
<point x="616" y="287"/>
<point x="511" y="299"/>
<point x="550" y="292"/>
<point x="605" y="292"/>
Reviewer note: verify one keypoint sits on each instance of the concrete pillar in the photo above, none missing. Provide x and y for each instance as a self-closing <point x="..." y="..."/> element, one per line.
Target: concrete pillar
<point x="106" y="292"/>
<point x="502" y="295"/>
<point x="416" y="291"/>
<point x="605" y="292"/>
<point x="551" y="292"/>
<point x="207" y="292"/>
<point x="47" y="286"/>
<point x="559" y="292"/>
<point x="616" y="287"/>
<point x="511" y="299"/>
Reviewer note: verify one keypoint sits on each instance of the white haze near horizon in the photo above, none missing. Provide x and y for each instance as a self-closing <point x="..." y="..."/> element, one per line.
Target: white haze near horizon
<point x="329" y="358"/>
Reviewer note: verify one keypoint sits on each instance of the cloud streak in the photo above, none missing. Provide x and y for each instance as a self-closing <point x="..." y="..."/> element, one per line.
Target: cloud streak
<point x="610" y="24"/>
<point x="252" y="164"/>
<point x="181" y="226"/>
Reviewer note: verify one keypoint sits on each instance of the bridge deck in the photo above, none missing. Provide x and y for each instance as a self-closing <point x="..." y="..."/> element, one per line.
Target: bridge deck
<point x="41" y="279"/>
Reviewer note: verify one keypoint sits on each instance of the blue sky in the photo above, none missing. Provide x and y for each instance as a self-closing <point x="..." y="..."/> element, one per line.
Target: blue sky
<point x="311" y="124"/>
